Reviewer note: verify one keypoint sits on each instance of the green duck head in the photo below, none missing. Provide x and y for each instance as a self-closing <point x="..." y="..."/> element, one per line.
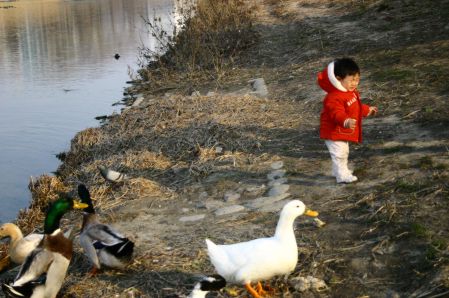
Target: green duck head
<point x="57" y="210"/>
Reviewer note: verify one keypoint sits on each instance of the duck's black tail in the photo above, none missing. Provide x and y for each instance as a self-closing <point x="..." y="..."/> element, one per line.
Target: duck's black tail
<point x="122" y="250"/>
<point x="24" y="291"/>
<point x="212" y="283"/>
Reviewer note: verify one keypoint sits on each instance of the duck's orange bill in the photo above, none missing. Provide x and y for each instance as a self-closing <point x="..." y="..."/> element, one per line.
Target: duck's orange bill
<point x="311" y="213"/>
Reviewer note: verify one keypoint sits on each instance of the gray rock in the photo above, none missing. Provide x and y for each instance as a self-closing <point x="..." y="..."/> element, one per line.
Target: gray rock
<point x="229" y="210"/>
<point x="212" y="204"/>
<point x="276" y="174"/>
<point x="210" y="93"/>
<point x="259" y="87"/>
<point x="392" y="294"/>
<point x="274" y="207"/>
<point x="278" y="189"/>
<point x="138" y="101"/>
<point x="192" y="218"/>
<point x="231" y="196"/>
<point x="279" y="181"/>
<point x="195" y="93"/>
<point x="359" y="264"/>
<point x="255" y="188"/>
<point x="303" y="284"/>
<point x="277" y="165"/>
<point x="263" y="201"/>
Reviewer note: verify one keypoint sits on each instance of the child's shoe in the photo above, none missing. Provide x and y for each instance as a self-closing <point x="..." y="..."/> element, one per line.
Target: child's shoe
<point x="348" y="179"/>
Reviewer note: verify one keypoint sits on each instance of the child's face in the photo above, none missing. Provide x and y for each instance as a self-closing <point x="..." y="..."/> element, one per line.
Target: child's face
<point x="350" y="82"/>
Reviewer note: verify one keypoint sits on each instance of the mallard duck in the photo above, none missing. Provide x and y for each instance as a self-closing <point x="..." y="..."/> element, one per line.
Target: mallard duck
<point x="262" y="258"/>
<point x="19" y="246"/>
<point x="43" y="271"/>
<point x="206" y="284"/>
<point x="102" y="244"/>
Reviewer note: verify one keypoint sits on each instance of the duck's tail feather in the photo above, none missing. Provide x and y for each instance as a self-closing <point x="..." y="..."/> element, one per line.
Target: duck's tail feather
<point x="121" y="250"/>
<point x="25" y="290"/>
<point x="218" y="257"/>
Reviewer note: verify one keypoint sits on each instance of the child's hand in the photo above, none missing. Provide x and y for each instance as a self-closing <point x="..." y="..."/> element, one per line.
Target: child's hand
<point x="350" y="123"/>
<point x="372" y="111"/>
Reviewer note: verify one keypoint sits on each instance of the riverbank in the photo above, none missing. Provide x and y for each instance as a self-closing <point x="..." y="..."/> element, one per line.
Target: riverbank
<point x="199" y="164"/>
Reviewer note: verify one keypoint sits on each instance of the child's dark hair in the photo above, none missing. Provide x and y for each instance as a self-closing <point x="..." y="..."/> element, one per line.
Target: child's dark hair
<point x="345" y="67"/>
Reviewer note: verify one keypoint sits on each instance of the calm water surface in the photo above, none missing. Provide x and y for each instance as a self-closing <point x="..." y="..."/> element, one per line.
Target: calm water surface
<point x="57" y="72"/>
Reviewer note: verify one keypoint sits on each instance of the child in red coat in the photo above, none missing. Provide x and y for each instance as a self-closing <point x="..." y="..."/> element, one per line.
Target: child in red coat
<point x="341" y="117"/>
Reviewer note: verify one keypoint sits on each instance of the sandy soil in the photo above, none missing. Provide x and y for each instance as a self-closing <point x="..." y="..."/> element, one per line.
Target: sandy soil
<point x="385" y="236"/>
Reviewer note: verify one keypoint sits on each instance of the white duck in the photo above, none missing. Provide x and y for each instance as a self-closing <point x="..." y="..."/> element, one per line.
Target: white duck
<point x="262" y="258"/>
<point x="19" y="246"/>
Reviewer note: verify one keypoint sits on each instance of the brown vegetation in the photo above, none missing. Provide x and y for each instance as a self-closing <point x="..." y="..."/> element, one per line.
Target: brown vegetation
<point x="386" y="236"/>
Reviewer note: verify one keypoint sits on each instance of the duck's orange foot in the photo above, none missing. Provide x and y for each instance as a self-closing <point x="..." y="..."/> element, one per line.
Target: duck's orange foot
<point x="252" y="291"/>
<point x="260" y="290"/>
<point x="94" y="271"/>
<point x="268" y="288"/>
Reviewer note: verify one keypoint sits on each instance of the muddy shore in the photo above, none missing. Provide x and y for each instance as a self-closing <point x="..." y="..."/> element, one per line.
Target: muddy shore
<point x="201" y="160"/>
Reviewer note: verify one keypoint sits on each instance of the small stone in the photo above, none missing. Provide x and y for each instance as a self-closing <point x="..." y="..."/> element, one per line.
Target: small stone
<point x="316" y="284"/>
<point x="277" y="165"/>
<point x="300" y="284"/>
<point x="229" y="210"/>
<point x="276" y="174"/>
<point x="274" y="207"/>
<point x="278" y="189"/>
<point x="185" y="210"/>
<point x="303" y="284"/>
<point x="255" y="188"/>
<point x="210" y="93"/>
<point x="137" y="102"/>
<point x="231" y="196"/>
<point x="192" y="218"/>
<point x="392" y="294"/>
<point x="195" y="93"/>
<point x="213" y="204"/>
<point x="318" y="223"/>
<point x="218" y="149"/>
<point x="263" y="201"/>
<point x="279" y="181"/>
<point x="177" y="169"/>
<point x="259" y="87"/>
<point x="359" y="264"/>
<point x="203" y="196"/>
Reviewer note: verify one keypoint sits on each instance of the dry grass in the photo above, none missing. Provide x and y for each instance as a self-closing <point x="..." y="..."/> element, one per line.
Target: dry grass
<point x="170" y="143"/>
<point x="190" y="133"/>
<point x="211" y="35"/>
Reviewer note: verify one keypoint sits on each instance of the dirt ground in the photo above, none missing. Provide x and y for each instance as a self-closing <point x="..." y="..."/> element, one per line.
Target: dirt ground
<point x="386" y="235"/>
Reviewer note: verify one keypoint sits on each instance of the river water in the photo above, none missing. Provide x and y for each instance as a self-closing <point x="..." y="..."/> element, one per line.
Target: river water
<point x="57" y="73"/>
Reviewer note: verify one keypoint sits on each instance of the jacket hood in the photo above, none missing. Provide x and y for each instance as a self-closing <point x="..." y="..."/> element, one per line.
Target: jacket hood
<point x="327" y="80"/>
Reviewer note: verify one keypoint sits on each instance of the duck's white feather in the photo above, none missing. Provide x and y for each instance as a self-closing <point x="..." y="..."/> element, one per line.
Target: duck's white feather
<point x="261" y="258"/>
<point x="107" y="236"/>
<point x="55" y="275"/>
<point x="24" y="247"/>
<point x="34" y="266"/>
<point x="254" y="260"/>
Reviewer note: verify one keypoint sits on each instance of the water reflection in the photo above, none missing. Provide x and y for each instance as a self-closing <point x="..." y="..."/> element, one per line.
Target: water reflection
<point x="57" y="72"/>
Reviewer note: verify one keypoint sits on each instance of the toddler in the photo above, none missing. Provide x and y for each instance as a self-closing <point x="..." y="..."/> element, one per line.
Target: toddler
<point x="342" y="113"/>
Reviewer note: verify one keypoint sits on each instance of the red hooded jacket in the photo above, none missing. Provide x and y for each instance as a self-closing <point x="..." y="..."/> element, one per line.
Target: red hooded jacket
<point x="339" y="105"/>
